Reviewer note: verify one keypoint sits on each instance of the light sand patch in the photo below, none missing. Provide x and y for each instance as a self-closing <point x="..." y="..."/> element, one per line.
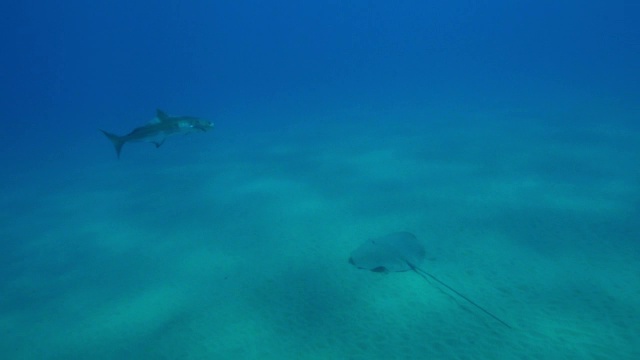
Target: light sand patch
<point x="243" y="254"/>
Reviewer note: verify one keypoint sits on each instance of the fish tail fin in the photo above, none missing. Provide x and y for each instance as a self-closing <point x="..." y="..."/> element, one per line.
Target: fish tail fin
<point x="117" y="141"/>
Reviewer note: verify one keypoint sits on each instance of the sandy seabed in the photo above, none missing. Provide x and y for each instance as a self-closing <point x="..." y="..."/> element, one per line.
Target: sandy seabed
<point x="239" y="250"/>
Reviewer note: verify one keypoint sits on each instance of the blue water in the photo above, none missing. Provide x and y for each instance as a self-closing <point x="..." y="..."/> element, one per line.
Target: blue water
<point x="504" y="134"/>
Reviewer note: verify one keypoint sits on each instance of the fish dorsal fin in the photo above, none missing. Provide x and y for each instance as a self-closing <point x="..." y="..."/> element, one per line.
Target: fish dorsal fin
<point x="161" y="116"/>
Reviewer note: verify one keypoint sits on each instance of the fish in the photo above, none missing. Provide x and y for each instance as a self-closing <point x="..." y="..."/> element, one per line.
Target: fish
<point x="157" y="131"/>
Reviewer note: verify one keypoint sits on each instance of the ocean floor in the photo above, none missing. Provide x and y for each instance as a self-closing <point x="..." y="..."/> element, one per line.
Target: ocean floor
<point x="234" y="245"/>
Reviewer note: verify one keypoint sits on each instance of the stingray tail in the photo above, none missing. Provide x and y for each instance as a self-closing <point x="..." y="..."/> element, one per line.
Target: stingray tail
<point x="426" y="275"/>
<point x="117" y="141"/>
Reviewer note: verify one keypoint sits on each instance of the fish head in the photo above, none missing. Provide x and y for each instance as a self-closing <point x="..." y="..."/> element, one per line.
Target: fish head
<point x="203" y="125"/>
<point x="195" y="124"/>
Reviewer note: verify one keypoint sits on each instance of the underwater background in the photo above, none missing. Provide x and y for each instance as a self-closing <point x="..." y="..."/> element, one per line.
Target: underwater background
<point x="504" y="134"/>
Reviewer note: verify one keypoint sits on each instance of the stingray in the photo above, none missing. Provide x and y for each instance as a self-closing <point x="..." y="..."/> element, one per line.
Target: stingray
<point x="400" y="251"/>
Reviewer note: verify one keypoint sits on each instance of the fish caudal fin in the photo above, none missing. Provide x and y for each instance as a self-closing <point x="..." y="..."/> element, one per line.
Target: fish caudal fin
<point x="117" y="141"/>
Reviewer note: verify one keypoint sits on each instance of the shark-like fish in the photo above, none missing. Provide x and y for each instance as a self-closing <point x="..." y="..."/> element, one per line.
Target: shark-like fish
<point x="159" y="129"/>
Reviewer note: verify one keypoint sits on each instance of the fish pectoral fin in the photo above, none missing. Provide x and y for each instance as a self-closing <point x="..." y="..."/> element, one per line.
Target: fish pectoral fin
<point x="158" y="143"/>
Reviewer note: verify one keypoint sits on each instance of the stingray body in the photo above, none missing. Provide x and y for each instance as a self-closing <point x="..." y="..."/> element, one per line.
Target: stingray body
<point x="391" y="253"/>
<point x="400" y="251"/>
